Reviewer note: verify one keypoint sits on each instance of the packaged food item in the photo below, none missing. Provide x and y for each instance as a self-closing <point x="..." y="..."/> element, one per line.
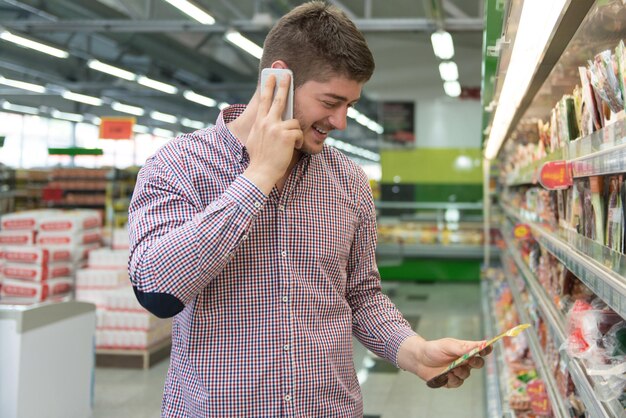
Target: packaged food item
<point x="71" y="220"/>
<point x="620" y="58"/>
<point x="589" y="98"/>
<point x="615" y="215"/>
<point x="17" y="237"/>
<point x="596" y="224"/>
<point x="25" y="254"/>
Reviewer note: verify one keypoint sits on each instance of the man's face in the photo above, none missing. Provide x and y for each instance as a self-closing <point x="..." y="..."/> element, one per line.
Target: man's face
<point x="321" y="107"/>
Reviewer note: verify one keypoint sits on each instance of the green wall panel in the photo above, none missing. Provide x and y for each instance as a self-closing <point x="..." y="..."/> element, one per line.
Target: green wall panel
<point x="432" y="270"/>
<point x="431" y="166"/>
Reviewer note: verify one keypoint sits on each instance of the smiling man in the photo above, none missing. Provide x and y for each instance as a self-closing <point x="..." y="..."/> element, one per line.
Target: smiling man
<point x="260" y="241"/>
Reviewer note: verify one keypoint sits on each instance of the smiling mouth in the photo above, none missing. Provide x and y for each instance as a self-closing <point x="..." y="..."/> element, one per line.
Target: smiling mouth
<point x="323" y="132"/>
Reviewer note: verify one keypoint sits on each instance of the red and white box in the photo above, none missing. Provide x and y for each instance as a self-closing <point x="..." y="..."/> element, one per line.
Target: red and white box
<point x="37" y="273"/>
<point x="8" y="237"/>
<point x="105" y="258"/>
<point x="25" y="254"/>
<point x="72" y="221"/>
<point x="60" y="286"/>
<point x="101" y="279"/>
<point x="27" y="220"/>
<point x="73" y="238"/>
<point x="23" y="291"/>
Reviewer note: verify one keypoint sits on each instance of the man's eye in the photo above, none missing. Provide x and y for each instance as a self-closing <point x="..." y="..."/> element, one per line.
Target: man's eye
<point x="329" y="104"/>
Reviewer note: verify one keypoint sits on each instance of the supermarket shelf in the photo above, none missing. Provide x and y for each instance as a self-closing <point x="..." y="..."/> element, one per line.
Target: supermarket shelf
<point x="558" y="407"/>
<point x="134" y="359"/>
<point x="556" y="323"/>
<point x="603" y="152"/>
<point x="428" y="205"/>
<point x="497" y="404"/>
<point x="452" y="251"/>
<point x="600" y="268"/>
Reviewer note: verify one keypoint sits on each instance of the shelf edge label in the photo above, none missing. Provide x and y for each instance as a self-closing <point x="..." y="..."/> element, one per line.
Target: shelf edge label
<point x="521" y="231"/>
<point x="556" y="175"/>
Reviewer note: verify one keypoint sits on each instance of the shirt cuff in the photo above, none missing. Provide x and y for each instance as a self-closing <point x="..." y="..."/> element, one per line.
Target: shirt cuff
<point x="394" y="343"/>
<point x="247" y="195"/>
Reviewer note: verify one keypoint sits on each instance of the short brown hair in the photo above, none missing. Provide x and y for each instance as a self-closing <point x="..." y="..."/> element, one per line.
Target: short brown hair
<point x="316" y="41"/>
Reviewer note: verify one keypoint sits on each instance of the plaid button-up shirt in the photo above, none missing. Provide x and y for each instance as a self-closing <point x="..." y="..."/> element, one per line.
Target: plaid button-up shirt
<point x="270" y="289"/>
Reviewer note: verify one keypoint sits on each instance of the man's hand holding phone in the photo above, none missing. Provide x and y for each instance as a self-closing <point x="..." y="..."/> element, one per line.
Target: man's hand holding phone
<point x="272" y="141"/>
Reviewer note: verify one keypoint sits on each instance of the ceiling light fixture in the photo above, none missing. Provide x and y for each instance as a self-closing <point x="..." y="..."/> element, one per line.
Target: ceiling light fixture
<point x="157" y="85"/>
<point x="452" y="88"/>
<point x="29" y="43"/>
<point x="164" y="133"/>
<point x="192" y="11"/>
<point x="124" y="108"/>
<point x="244" y="43"/>
<point x="141" y="129"/>
<point x="111" y="70"/>
<point x="223" y="105"/>
<point x="72" y="117"/>
<point x="195" y="124"/>
<point x="448" y="71"/>
<point x="19" y="108"/>
<point x="82" y="98"/>
<point x="163" y="117"/>
<point x="198" y="98"/>
<point x="442" y="44"/>
<point x="22" y="85"/>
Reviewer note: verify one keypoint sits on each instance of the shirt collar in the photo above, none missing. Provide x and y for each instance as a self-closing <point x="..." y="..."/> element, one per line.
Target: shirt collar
<point x="228" y="115"/>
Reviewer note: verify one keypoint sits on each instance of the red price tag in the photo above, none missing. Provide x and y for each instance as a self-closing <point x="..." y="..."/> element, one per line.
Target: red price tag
<point x="556" y="175"/>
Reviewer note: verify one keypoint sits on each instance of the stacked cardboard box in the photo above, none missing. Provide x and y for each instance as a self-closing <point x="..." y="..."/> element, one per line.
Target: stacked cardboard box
<point x="41" y="250"/>
<point x="121" y="321"/>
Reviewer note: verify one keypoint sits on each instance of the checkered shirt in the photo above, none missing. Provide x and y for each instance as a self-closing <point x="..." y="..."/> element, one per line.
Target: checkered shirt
<point x="273" y="286"/>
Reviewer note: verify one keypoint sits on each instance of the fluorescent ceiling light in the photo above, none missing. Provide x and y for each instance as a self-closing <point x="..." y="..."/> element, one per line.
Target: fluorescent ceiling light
<point x="192" y="11"/>
<point x="244" y="43"/>
<point x="157" y="85"/>
<point x="73" y="117"/>
<point x="96" y="120"/>
<point x="163" y="117"/>
<point x="124" y="108"/>
<point x="37" y="46"/>
<point x="223" y="105"/>
<point x="198" y="98"/>
<point x="452" y="88"/>
<point x="163" y="133"/>
<point x="536" y="23"/>
<point x="19" y="108"/>
<point x="353" y="113"/>
<point x="22" y="85"/>
<point x="442" y="45"/>
<point x="141" y="129"/>
<point x="353" y="149"/>
<point x="196" y="124"/>
<point x="111" y="70"/>
<point x="83" y="98"/>
<point x="448" y="71"/>
<point x="373" y="126"/>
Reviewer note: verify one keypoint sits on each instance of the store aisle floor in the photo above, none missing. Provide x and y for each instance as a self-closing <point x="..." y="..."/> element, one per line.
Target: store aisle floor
<point x="435" y="310"/>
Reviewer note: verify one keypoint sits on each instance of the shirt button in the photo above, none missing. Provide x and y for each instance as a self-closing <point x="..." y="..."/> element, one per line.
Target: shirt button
<point x="257" y="204"/>
<point x="285" y="299"/>
<point x="287" y="398"/>
<point x="245" y="237"/>
<point x="283" y="253"/>
<point x="281" y="208"/>
<point x="286" y="347"/>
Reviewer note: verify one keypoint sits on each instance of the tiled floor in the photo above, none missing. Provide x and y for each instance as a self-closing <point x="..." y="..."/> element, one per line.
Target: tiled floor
<point x="439" y="310"/>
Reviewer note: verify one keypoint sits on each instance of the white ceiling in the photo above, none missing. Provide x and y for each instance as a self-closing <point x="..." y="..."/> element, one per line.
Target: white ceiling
<point x="398" y="32"/>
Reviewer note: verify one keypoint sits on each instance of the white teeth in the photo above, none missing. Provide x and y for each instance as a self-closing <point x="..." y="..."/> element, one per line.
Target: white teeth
<point x="319" y="130"/>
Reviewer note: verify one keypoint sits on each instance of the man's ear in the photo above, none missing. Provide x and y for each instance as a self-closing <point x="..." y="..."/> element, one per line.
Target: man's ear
<point x="279" y="64"/>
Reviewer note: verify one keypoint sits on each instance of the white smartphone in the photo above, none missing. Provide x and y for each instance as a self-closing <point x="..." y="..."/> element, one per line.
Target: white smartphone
<point x="278" y="73"/>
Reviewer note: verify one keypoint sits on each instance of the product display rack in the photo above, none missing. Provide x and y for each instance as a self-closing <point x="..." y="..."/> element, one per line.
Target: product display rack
<point x="496" y="374"/>
<point x="556" y="324"/>
<point x="582" y="31"/>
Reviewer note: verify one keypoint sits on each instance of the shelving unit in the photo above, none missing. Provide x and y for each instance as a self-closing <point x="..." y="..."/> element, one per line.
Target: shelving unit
<point x="496" y="374"/>
<point x="556" y="323"/>
<point x="582" y="30"/>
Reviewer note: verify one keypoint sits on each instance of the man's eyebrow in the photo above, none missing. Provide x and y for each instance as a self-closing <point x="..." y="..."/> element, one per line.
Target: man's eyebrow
<point x="340" y="98"/>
